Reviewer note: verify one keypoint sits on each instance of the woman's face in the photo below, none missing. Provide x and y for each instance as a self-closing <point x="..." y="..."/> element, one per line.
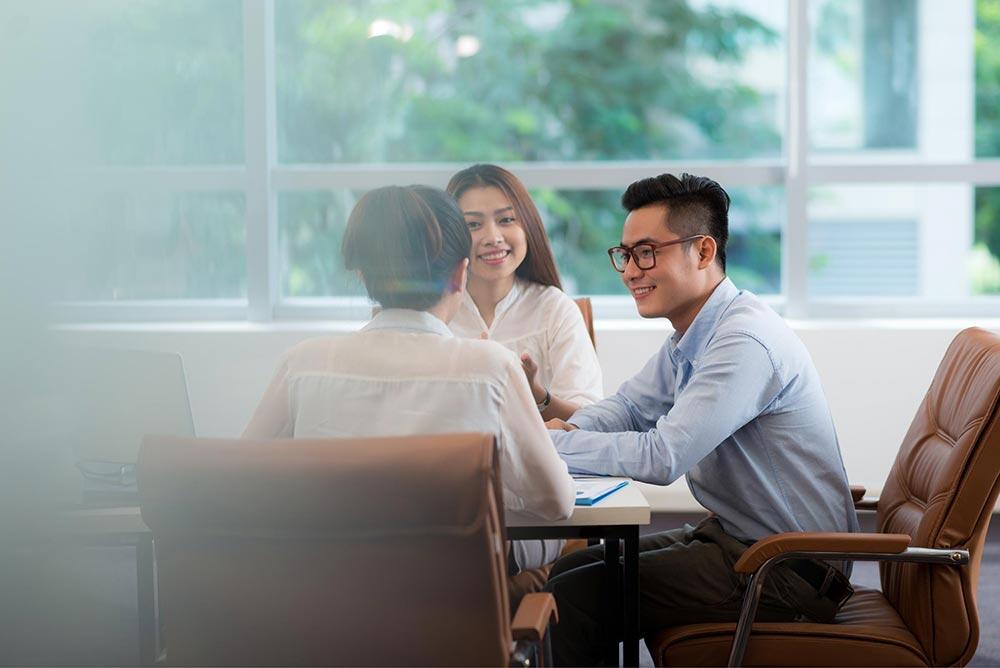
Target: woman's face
<point x="498" y="241"/>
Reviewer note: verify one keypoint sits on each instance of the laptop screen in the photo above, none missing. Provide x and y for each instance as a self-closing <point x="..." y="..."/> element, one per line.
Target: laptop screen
<point x="124" y="395"/>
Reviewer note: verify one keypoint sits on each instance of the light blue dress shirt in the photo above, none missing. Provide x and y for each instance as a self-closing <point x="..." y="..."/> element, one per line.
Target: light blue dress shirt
<point x="736" y="404"/>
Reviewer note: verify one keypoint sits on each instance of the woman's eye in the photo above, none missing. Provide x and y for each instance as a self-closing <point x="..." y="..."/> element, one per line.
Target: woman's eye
<point x="645" y="253"/>
<point x="473" y="224"/>
<point x="507" y="220"/>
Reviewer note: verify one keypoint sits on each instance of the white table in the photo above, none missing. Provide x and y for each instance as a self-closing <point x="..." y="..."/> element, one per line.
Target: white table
<point x="616" y="517"/>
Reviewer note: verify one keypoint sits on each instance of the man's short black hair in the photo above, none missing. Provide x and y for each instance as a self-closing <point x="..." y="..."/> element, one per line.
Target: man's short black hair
<point x="695" y="205"/>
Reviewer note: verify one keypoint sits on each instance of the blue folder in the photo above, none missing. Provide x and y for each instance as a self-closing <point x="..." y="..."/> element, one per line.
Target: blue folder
<point x="591" y="490"/>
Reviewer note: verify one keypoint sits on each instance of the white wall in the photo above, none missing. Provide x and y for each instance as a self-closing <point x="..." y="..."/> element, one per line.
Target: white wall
<point x="875" y="374"/>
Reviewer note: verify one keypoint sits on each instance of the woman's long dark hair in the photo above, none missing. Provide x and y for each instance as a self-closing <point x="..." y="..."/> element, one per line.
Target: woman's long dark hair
<point x="406" y="242"/>
<point x="539" y="265"/>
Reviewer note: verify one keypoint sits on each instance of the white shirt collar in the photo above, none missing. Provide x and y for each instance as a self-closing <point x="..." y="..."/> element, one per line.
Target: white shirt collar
<point x="404" y="319"/>
<point x="502" y="306"/>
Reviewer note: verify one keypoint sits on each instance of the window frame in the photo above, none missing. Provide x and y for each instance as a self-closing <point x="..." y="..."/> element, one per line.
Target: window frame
<point x="262" y="178"/>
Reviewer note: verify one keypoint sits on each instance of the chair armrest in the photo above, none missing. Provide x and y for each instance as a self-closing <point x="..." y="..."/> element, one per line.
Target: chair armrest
<point x="862" y="502"/>
<point x="851" y="543"/>
<point x="533" y="616"/>
<point x="765" y="554"/>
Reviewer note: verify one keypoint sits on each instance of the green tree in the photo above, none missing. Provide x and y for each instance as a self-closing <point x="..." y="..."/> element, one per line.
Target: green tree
<point x="556" y="80"/>
<point x="988" y="123"/>
<point x="160" y="83"/>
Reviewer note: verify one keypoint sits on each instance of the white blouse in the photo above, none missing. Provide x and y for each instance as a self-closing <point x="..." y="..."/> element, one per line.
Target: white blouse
<point x="406" y="373"/>
<point x="546" y="323"/>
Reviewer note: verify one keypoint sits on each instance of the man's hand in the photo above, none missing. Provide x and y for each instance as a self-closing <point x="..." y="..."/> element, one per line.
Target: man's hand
<point x="556" y="423"/>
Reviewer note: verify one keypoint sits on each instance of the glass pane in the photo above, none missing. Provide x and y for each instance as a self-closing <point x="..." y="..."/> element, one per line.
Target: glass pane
<point x="892" y="78"/>
<point x="582" y="225"/>
<point x="988" y="78"/>
<point x="162" y="80"/>
<point x="985" y="267"/>
<point x="162" y="246"/>
<point x="431" y="80"/>
<point x="895" y="240"/>
<point x="310" y="228"/>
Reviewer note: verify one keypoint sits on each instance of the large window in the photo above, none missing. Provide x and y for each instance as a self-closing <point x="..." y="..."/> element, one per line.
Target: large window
<point x="230" y="139"/>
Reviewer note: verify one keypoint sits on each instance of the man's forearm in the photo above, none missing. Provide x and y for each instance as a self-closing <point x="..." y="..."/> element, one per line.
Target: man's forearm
<point x="614" y="413"/>
<point x="638" y="455"/>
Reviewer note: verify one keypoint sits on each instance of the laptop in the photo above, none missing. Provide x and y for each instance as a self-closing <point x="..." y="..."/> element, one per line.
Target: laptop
<point x="122" y="395"/>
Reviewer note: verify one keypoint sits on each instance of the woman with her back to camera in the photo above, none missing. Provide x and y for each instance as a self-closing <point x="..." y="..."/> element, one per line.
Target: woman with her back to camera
<point x="405" y="372"/>
<point x="514" y="294"/>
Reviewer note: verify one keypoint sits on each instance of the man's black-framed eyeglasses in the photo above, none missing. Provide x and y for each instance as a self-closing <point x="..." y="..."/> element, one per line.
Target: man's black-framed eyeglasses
<point x="644" y="254"/>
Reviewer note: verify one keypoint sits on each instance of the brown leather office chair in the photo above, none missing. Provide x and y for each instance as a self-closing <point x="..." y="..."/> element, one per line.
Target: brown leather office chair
<point x="587" y="311"/>
<point x="333" y="552"/>
<point x="932" y="520"/>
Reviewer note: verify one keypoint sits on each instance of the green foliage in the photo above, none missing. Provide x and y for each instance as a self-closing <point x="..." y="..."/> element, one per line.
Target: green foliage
<point x="162" y="246"/>
<point x="552" y="80"/>
<point x="380" y="81"/>
<point x="164" y="80"/>
<point x="988" y="126"/>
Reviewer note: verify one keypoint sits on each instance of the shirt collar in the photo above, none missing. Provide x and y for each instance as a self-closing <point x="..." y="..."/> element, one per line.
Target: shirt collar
<point x="502" y="306"/>
<point x="408" y="320"/>
<point x="508" y="299"/>
<point x="693" y="342"/>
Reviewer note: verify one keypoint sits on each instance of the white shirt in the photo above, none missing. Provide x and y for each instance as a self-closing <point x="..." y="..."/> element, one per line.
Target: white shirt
<point x="546" y="323"/>
<point x="406" y="373"/>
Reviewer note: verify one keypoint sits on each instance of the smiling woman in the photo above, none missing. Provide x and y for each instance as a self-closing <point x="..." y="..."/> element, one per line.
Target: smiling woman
<point x="514" y="294"/>
<point x="499" y="242"/>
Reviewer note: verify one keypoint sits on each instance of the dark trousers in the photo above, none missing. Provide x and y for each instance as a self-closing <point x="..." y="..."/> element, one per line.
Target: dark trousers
<point x="686" y="576"/>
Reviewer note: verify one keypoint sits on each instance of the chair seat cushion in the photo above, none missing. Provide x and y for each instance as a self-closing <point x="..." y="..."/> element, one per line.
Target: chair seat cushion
<point x="867" y="632"/>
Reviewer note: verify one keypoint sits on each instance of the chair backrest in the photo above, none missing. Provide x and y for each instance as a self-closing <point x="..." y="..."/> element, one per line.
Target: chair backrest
<point x="941" y="491"/>
<point x="587" y="311"/>
<point x="385" y="551"/>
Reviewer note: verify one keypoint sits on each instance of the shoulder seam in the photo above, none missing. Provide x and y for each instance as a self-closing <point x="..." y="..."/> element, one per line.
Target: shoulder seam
<point x="753" y="337"/>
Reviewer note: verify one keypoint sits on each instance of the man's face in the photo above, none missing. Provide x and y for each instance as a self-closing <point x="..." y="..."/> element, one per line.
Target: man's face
<point x="669" y="288"/>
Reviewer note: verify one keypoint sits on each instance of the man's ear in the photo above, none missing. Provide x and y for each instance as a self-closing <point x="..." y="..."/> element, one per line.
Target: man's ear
<point x="458" y="277"/>
<point x="707" y="248"/>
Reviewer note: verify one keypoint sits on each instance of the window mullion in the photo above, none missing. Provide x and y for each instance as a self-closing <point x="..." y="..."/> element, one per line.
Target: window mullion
<point x="795" y="264"/>
<point x="259" y="143"/>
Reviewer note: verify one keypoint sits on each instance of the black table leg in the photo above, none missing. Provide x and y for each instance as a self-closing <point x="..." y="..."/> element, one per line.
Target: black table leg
<point x="630" y="576"/>
<point x="146" y="600"/>
<point x="621" y="612"/>
<point x="612" y="600"/>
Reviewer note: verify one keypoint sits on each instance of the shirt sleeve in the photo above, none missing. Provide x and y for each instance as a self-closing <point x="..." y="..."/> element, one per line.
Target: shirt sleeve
<point x="272" y="418"/>
<point x="734" y="382"/>
<point x="533" y="473"/>
<point x="576" y="371"/>
<point x="638" y="403"/>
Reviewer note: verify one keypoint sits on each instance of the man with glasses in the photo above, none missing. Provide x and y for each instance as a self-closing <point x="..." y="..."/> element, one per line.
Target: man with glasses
<point x="731" y="400"/>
